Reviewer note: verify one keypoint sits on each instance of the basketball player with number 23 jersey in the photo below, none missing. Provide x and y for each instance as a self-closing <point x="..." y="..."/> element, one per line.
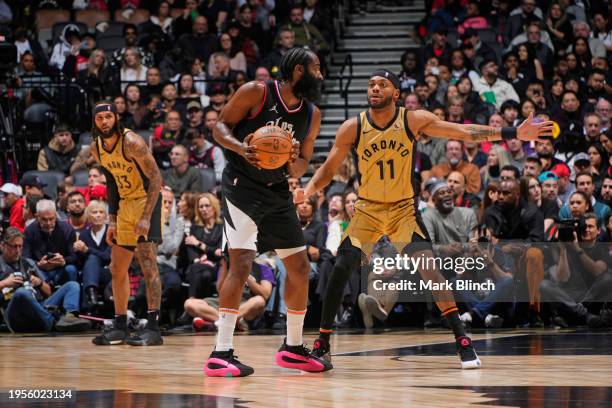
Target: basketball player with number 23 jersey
<point x="384" y="139"/>
<point x="134" y="189"/>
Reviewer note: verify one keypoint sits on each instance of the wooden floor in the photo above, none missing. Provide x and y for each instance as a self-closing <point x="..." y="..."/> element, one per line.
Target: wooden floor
<point x="393" y="368"/>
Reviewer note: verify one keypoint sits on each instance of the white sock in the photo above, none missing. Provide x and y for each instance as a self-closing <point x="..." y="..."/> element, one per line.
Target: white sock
<point x="226" y="325"/>
<point x="295" y="325"/>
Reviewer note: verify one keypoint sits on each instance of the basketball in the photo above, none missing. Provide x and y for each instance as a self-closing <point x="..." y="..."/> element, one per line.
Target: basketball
<point x="273" y="146"/>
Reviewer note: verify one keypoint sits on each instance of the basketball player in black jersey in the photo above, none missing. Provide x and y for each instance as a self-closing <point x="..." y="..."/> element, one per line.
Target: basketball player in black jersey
<point x="258" y="207"/>
<point x="384" y="141"/>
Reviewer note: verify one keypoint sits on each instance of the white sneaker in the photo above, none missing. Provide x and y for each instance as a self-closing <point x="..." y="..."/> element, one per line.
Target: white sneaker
<point x="370" y="307"/>
<point x="494" y="321"/>
<point x="466" y="318"/>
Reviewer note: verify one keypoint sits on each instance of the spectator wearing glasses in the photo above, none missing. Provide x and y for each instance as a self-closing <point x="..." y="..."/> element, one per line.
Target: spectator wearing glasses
<point x="29" y="295"/>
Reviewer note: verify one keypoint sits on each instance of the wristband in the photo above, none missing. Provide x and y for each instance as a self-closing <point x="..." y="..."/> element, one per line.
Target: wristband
<point x="508" y="133"/>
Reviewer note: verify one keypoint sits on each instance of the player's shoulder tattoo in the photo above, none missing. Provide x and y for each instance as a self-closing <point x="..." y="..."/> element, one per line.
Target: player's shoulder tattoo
<point x="135" y="145"/>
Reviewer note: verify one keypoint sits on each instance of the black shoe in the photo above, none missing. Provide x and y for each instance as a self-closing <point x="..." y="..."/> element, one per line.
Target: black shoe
<point x="465" y="349"/>
<point x="280" y="323"/>
<point x="602" y="321"/>
<point x="184" y="319"/>
<point x="225" y="364"/>
<point x="146" y="337"/>
<point x="322" y="351"/>
<point x="110" y="336"/>
<point x="300" y="358"/>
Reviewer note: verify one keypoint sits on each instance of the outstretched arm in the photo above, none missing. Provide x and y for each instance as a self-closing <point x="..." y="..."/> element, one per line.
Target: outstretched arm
<point x="138" y="151"/>
<point x="426" y="123"/>
<point x="299" y="165"/>
<point x="345" y="138"/>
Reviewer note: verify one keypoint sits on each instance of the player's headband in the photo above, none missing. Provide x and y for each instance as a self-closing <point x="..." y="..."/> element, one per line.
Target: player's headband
<point x="387" y="75"/>
<point x="105" y="107"/>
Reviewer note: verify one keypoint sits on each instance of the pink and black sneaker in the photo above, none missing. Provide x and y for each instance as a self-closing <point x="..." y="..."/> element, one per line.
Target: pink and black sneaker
<point x="225" y="364"/>
<point x="300" y="358"/>
<point x="465" y="349"/>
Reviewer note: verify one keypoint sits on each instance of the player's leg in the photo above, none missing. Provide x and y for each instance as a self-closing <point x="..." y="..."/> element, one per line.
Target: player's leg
<point x="348" y="260"/>
<point x="292" y="353"/>
<point x="120" y="262"/>
<point x="444" y="299"/>
<point x="240" y="232"/>
<point x="146" y="254"/>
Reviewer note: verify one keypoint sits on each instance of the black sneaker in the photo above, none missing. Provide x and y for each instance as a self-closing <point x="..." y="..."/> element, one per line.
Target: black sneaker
<point x="465" y="349"/>
<point x="225" y="364"/>
<point x="321" y="350"/>
<point x="146" y="337"/>
<point x="300" y="358"/>
<point x="110" y="336"/>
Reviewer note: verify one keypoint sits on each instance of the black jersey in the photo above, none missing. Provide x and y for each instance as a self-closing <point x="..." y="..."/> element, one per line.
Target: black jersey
<point x="273" y="111"/>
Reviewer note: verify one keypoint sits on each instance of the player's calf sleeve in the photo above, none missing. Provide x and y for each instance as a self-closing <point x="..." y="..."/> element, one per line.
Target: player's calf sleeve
<point x="347" y="261"/>
<point x="452" y="316"/>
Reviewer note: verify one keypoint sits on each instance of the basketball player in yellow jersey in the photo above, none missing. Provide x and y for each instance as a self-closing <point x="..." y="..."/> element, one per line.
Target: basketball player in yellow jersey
<point x="384" y="139"/>
<point x="134" y="188"/>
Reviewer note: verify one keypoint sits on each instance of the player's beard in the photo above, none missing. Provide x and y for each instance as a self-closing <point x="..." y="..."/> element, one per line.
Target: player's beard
<point x="111" y="132"/>
<point x="382" y="103"/>
<point x="308" y="87"/>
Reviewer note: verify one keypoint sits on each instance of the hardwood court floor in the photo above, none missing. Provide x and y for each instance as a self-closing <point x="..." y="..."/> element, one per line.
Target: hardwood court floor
<point x="384" y="369"/>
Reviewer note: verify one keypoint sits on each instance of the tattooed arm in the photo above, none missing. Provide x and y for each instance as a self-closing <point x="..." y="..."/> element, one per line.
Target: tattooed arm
<point x="113" y="197"/>
<point x="138" y="151"/>
<point x="422" y="122"/>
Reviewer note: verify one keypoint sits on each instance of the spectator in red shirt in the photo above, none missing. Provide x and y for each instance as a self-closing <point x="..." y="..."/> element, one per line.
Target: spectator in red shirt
<point x="33" y="186"/>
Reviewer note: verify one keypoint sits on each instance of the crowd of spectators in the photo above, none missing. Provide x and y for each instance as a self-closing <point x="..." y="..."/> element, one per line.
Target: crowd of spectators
<point x="479" y="64"/>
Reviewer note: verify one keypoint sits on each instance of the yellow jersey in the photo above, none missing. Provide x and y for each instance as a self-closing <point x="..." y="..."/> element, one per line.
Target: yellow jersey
<point x="130" y="180"/>
<point x="385" y="158"/>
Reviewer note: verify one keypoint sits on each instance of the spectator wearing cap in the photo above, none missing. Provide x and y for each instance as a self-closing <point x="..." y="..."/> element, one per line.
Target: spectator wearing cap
<point x="550" y="187"/>
<point x="437" y="47"/>
<point x="425" y="197"/>
<point x="203" y="154"/>
<point x="33" y="187"/>
<point x="285" y="40"/>
<point x="165" y="137"/>
<point x="195" y="117"/>
<point x="48" y="242"/>
<point x="182" y="177"/>
<point x="218" y="98"/>
<point x="483" y="51"/>
<point x="585" y="185"/>
<point x="455" y="162"/>
<point x="200" y="43"/>
<point x="60" y="153"/>
<point x="492" y="88"/>
<point x="11" y="194"/>
<point x="566" y="187"/>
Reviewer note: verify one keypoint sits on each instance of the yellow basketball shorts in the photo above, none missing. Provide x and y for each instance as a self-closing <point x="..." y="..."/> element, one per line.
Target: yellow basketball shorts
<point x="400" y="221"/>
<point x="129" y="213"/>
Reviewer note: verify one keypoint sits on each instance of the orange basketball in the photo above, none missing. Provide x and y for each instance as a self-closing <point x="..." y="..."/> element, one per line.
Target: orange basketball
<point x="273" y="146"/>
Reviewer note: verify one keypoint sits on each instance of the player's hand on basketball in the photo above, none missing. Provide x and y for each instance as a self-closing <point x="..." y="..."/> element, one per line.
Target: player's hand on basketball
<point x="142" y="228"/>
<point x="111" y="234"/>
<point x="250" y="152"/>
<point x="532" y="129"/>
<point x="295" y="150"/>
